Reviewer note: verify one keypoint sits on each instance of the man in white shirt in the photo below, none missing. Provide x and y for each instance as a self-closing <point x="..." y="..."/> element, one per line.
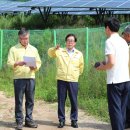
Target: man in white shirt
<point x="117" y="59"/>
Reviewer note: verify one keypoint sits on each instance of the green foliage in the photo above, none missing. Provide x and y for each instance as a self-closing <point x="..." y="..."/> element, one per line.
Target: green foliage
<point x="92" y="93"/>
<point x="96" y="107"/>
<point x="46" y="84"/>
<point x="6" y="82"/>
<point x="35" y="21"/>
<point x="4" y="23"/>
<point x="92" y="84"/>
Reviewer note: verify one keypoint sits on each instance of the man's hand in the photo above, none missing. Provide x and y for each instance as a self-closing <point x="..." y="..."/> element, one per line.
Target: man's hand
<point x="32" y="67"/>
<point x="20" y="63"/>
<point x="97" y="64"/>
<point x="57" y="47"/>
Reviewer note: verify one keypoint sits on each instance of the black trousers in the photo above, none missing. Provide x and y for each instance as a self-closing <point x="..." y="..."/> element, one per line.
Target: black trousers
<point x="72" y="88"/>
<point x="21" y="87"/>
<point x="117" y="100"/>
<point x="128" y="110"/>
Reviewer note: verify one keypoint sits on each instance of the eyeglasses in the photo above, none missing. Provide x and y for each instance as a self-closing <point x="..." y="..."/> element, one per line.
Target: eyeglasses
<point x="23" y="38"/>
<point x="69" y="40"/>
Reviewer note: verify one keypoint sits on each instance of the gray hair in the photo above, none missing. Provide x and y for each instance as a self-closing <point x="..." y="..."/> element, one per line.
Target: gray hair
<point x="23" y="32"/>
<point x="127" y="29"/>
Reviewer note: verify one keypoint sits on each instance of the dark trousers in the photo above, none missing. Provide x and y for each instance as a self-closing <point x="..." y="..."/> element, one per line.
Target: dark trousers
<point x="72" y="88"/>
<point x="128" y="116"/>
<point x="128" y="110"/>
<point x="21" y="87"/>
<point x="117" y="100"/>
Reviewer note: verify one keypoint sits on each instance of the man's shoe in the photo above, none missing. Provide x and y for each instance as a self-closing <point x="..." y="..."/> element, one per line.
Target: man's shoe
<point x="74" y="124"/>
<point x="19" y="126"/>
<point x="61" y="124"/>
<point x="31" y="124"/>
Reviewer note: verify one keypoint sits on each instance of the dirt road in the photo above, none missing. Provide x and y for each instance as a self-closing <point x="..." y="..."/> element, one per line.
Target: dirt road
<point x="46" y="116"/>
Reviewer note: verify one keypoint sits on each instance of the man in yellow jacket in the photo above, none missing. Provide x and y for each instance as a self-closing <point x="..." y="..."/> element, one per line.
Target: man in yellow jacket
<point x="24" y="77"/>
<point x="126" y="36"/>
<point x="70" y="65"/>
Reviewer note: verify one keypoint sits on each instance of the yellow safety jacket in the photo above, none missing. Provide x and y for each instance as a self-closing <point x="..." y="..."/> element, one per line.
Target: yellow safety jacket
<point x="68" y="68"/>
<point x="16" y="54"/>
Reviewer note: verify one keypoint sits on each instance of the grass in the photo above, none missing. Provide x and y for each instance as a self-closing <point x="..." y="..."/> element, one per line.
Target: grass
<point x="95" y="107"/>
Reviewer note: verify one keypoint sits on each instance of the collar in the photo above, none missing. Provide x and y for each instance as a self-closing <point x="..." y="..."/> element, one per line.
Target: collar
<point x="74" y="50"/>
<point x="20" y="45"/>
<point x="70" y="51"/>
<point x="114" y="34"/>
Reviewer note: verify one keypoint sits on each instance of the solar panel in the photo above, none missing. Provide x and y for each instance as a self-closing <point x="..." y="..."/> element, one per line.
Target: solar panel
<point x="24" y="9"/>
<point x="3" y="3"/>
<point x="10" y="6"/>
<point x="112" y="4"/>
<point x="125" y="5"/>
<point x="79" y="3"/>
<point x="72" y="7"/>
<point x="121" y="12"/>
<point x="82" y="13"/>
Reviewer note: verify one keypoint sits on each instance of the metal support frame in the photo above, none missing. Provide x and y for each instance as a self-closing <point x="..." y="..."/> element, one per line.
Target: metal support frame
<point x="44" y="13"/>
<point x="101" y="12"/>
<point x="62" y="14"/>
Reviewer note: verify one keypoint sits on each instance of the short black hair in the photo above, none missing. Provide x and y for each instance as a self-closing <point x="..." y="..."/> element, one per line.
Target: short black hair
<point x="23" y="31"/>
<point x="68" y="35"/>
<point x="113" y="24"/>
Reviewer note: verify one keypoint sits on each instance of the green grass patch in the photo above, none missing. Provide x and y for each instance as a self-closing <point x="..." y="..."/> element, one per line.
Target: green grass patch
<point x="96" y="107"/>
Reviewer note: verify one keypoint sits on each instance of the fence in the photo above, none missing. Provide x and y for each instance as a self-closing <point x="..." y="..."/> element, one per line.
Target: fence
<point x="90" y="41"/>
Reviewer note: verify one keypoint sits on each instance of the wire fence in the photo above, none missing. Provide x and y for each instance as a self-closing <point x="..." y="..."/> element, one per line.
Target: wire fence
<point x="90" y="41"/>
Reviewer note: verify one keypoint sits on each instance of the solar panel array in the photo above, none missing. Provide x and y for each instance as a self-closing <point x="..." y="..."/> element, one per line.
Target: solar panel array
<point x="81" y="7"/>
<point x="78" y="7"/>
<point x="122" y="4"/>
<point x="10" y="7"/>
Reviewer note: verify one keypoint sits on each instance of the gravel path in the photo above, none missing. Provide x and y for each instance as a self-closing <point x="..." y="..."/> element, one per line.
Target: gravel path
<point x="46" y="116"/>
